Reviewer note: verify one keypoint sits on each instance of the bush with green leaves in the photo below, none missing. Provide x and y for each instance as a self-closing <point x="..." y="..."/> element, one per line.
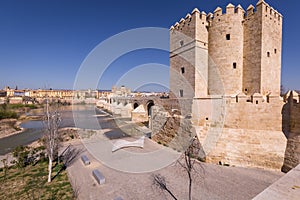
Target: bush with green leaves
<point x="21" y="154"/>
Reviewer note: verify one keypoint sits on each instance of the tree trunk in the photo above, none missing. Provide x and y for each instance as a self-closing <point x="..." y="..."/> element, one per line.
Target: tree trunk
<point x="50" y="170"/>
<point x="190" y="186"/>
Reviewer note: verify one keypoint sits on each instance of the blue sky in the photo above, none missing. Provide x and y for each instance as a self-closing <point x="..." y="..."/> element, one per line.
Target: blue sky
<point x="44" y="42"/>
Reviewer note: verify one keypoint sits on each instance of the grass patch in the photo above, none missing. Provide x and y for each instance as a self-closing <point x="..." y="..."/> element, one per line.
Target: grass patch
<point x="5" y="114"/>
<point x="31" y="183"/>
<point x="18" y="106"/>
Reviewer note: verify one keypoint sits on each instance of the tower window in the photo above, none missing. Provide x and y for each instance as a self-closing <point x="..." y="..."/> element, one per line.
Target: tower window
<point x="182" y="70"/>
<point x="268" y="54"/>
<point x="234" y="65"/>
<point x="256" y="102"/>
<point x="227" y="36"/>
<point x="181" y="43"/>
<point x="181" y="93"/>
<point x="275" y="51"/>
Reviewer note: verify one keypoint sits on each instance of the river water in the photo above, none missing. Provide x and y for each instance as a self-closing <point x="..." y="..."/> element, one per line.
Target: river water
<point x="35" y="129"/>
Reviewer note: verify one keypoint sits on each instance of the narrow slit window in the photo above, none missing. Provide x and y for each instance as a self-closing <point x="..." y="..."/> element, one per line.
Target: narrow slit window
<point x="181" y="43"/>
<point x="182" y="70"/>
<point x="268" y="54"/>
<point x="181" y="93"/>
<point x="234" y="65"/>
<point x="227" y="36"/>
<point x="275" y="51"/>
<point x="256" y="102"/>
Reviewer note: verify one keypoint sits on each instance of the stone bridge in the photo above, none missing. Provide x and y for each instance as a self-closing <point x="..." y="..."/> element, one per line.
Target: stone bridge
<point x="136" y="108"/>
<point x="139" y="108"/>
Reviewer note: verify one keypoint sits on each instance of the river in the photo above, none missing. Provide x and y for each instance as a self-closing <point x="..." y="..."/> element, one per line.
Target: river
<point x="34" y="129"/>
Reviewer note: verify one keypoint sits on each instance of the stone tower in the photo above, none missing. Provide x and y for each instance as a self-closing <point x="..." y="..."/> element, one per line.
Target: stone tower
<point x="228" y="64"/>
<point x="189" y="54"/>
<point x="262" y="50"/>
<point x="226" y="53"/>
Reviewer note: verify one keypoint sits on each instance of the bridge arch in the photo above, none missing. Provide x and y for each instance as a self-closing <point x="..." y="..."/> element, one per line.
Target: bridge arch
<point x="149" y="104"/>
<point x="135" y="105"/>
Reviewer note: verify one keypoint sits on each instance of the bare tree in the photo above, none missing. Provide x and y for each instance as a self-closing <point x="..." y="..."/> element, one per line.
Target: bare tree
<point x="187" y="162"/>
<point x="69" y="155"/>
<point x="51" y="139"/>
<point x="160" y="182"/>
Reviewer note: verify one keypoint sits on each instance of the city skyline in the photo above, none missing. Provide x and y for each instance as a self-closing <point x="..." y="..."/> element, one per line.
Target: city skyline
<point x="44" y="43"/>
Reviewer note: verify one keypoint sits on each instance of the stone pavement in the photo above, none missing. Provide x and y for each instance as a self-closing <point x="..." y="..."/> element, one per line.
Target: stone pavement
<point x="210" y="181"/>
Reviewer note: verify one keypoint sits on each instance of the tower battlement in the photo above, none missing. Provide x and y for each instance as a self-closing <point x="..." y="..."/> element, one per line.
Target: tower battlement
<point x="265" y="10"/>
<point x="185" y="22"/>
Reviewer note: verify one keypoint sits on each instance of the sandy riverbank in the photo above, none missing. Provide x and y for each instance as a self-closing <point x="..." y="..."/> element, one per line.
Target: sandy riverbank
<point x="10" y="127"/>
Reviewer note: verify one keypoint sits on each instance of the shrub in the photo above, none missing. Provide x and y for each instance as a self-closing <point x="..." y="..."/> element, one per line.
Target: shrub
<point x="5" y="114"/>
<point x="21" y="154"/>
<point x="17" y="106"/>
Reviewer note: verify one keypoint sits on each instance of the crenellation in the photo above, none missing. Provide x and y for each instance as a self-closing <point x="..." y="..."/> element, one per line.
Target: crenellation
<point x="243" y="98"/>
<point x="176" y="25"/>
<point x="218" y="12"/>
<point x="239" y="10"/>
<point x="188" y="16"/>
<point x="230" y="9"/>
<point x="250" y="10"/>
<point x="195" y="10"/>
<point x="209" y="18"/>
<point x="181" y="21"/>
<point x="203" y="16"/>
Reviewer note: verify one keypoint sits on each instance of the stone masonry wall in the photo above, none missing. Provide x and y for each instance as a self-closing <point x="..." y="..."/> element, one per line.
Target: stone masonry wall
<point x="225" y="52"/>
<point x="252" y="51"/>
<point x="271" y="50"/>
<point x="292" y="153"/>
<point x="170" y="129"/>
<point x="246" y="148"/>
<point x="239" y="132"/>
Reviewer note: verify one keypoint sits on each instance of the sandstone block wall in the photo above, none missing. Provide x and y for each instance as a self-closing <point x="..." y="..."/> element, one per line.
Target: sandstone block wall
<point x="244" y="147"/>
<point x="225" y="49"/>
<point x="171" y="129"/>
